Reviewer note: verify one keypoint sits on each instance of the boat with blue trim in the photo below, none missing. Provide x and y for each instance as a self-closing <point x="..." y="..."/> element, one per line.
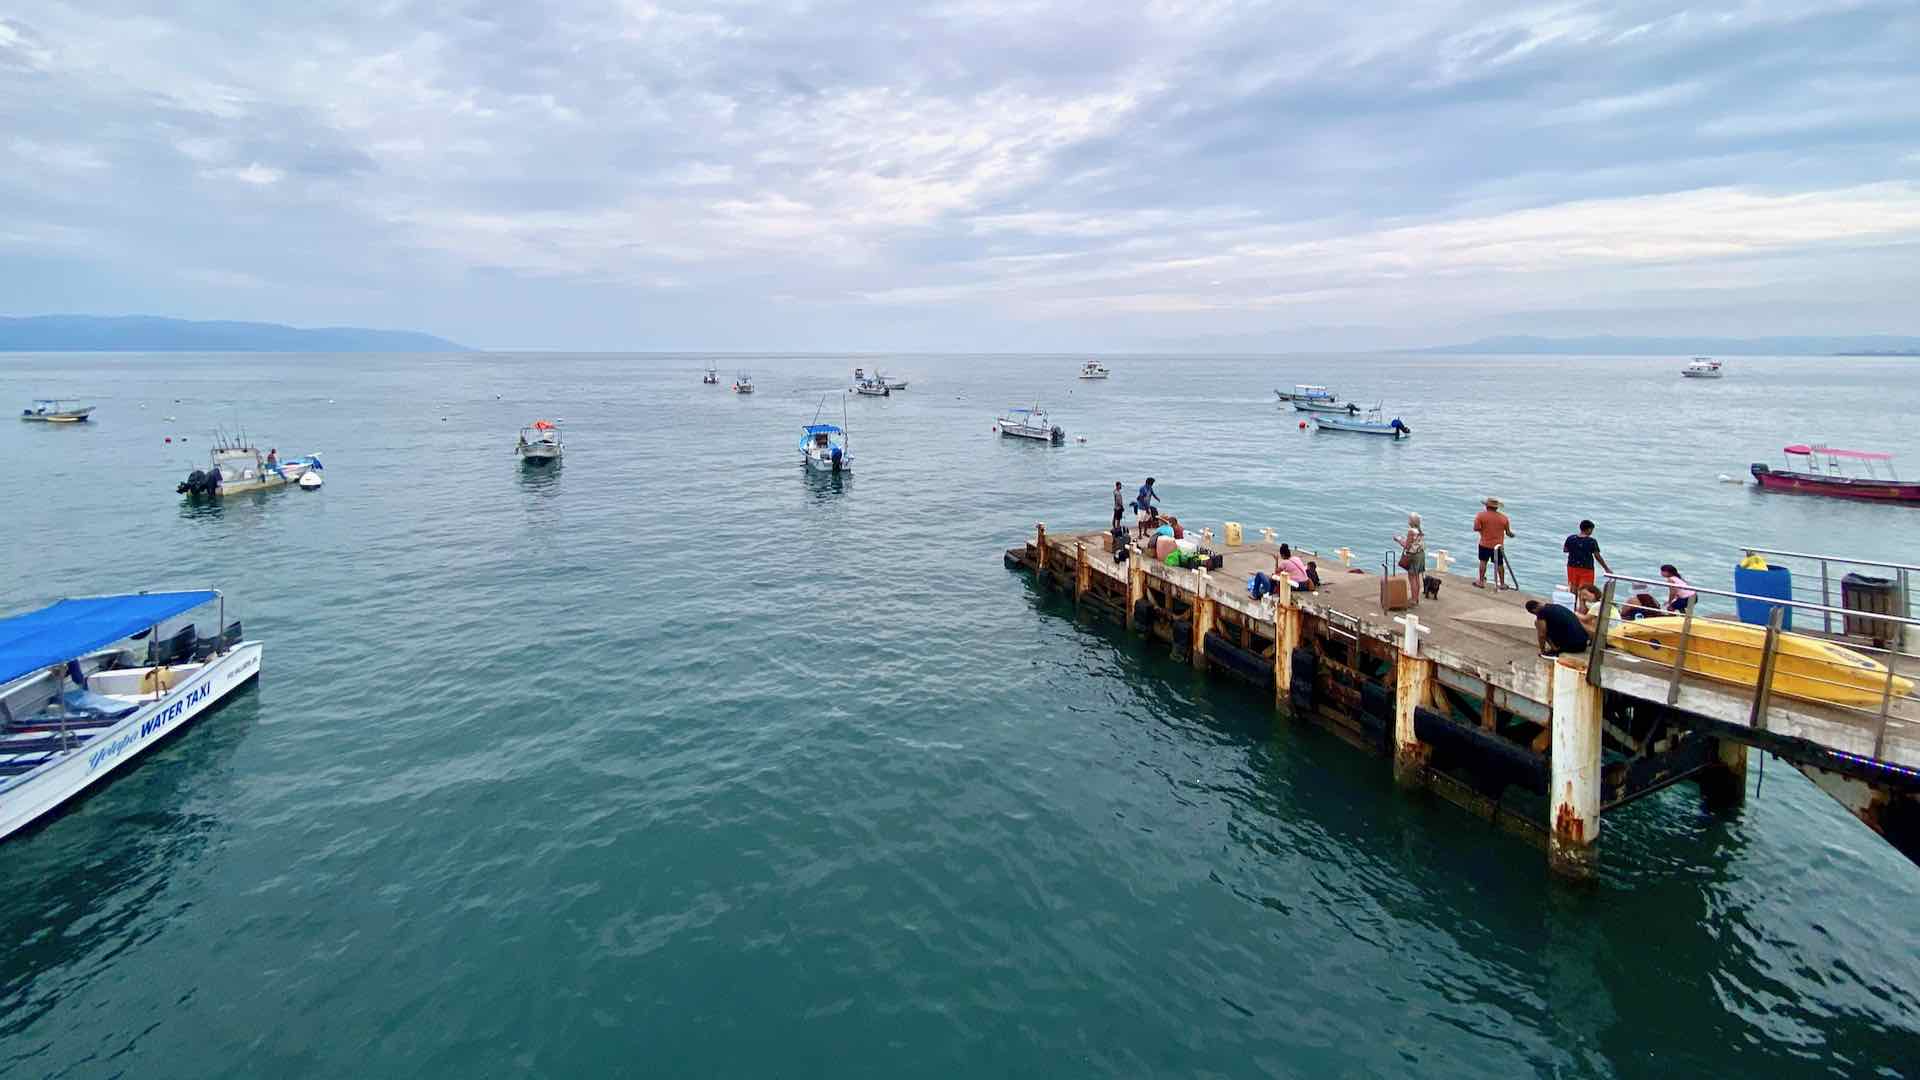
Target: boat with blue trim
<point x="1372" y="425"/>
<point x="823" y="447"/>
<point x="89" y="684"/>
<point x="56" y="411"/>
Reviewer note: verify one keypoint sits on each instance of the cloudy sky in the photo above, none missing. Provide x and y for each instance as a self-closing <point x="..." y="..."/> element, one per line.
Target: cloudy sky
<point x="967" y="174"/>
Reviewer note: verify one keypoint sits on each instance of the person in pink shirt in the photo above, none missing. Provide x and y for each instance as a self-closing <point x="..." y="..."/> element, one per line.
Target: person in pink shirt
<point x="1289" y="564"/>
<point x="1679" y="593"/>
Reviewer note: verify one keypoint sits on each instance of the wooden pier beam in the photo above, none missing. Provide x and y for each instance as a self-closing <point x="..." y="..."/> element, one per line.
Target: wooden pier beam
<point x="1080" y="571"/>
<point x="1286" y="638"/>
<point x="1202" y="620"/>
<point x="1573" y="812"/>
<point x="1136" y="585"/>
<point x="1412" y="689"/>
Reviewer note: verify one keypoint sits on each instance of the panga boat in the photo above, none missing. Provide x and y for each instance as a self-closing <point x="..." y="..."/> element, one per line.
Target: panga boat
<point x="1030" y="424"/>
<point x="1729" y="652"/>
<point x="55" y="411"/>
<point x="1813" y="477"/>
<point x="1701" y="367"/>
<point x="1306" y="392"/>
<point x="539" y="443"/>
<point x="743" y="384"/>
<point x="712" y="376"/>
<point x="891" y="384"/>
<point x="236" y="467"/>
<point x="870" y="386"/>
<point x="1372" y="425"/>
<point x="1094" y="369"/>
<point x="88" y="685"/>
<point x="1326" y="405"/>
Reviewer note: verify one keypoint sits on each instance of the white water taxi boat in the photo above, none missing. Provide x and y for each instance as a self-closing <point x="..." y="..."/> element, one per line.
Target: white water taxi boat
<point x="1306" y="392"/>
<point x="539" y="443"/>
<point x="1094" y="369"/>
<point x="1701" y="367"/>
<point x="56" y="411"/>
<point x="88" y="685"/>
<point x="237" y="467"/>
<point x="743" y="384"/>
<point x="1030" y="424"/>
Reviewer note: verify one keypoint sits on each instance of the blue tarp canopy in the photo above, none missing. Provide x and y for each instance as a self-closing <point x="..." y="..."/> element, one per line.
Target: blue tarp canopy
<point x="59" y="632"/>
<point x="822" y="429"/>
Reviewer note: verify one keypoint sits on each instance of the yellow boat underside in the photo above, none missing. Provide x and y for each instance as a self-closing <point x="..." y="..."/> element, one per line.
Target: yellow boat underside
<point x="1729" y="652"/>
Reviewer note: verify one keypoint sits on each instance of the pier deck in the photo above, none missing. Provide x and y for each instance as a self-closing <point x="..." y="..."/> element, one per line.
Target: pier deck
<point x="1465" y="704"/>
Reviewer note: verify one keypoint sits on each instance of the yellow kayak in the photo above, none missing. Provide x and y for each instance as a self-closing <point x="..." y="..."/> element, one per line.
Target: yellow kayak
<point x="1806" y="667"/>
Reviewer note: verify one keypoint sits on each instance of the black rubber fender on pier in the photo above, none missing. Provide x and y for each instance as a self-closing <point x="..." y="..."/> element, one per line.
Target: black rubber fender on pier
<point x="1012" y="562"/>
<point x="1143" y="615"/>
<point x="1495" y="763"/>
<point x="1248" y="666"/>
<point x="1304" y="666"/>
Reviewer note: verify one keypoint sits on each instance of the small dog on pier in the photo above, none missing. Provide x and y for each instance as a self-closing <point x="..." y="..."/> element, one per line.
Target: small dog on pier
<point x="1430" y="587"/>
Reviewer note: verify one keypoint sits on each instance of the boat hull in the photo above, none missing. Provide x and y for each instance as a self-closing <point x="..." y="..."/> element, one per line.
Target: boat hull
<point x="1838" y="487"/>
<point x="825" y="464"/>
<point x="1030" y="434"/>
<point x="1358" y="427"/>
<point x="1300" y="405"/>
<point x="1699" y="374"/>
<point x="46" y="789"/>
<point x="1804" y="667"/>
<point x="530" y="455"/>
<point x="79" y="418"/>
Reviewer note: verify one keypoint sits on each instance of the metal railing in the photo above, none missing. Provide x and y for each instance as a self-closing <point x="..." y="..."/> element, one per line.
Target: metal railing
<point x="1808" y="678"/>
<point x="1833" y="569"/>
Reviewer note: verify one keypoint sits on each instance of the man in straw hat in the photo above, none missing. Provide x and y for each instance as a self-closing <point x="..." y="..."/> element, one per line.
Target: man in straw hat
<point x="1495" y="530"/>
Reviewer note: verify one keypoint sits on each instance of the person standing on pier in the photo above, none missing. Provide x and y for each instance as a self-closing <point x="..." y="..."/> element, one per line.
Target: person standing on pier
<point x="1143" y="501"/>
<point x="1582" y="552"/>
<point x="1413" y="557"/>
<point x="1495" y="530"/>
<point x="1119" y="503"/>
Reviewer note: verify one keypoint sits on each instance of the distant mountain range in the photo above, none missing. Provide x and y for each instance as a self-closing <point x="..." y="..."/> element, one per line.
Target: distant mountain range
<point x="147" y="333"/>
<point x="1874" y="344"/>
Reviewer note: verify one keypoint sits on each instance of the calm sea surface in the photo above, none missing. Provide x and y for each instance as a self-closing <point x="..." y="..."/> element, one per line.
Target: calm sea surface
<point x="677" y="761"/>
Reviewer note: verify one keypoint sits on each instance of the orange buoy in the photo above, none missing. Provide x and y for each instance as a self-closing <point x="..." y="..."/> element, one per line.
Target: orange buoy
<point x="1303" y="425"/>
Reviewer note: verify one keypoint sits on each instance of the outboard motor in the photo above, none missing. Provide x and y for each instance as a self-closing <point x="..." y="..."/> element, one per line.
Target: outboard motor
<point x="1059" y="434"/>
<point x="836" y="459"/>
<point x="194" y="484"/>
<point x="1758" y="469"/>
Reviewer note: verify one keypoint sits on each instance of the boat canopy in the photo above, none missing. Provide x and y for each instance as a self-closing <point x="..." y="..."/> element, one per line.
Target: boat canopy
<point x="823" y="429"/>
<point x="61" y="631"/>
<point x="543" y="425"/>
<point x="1803" y="450"/>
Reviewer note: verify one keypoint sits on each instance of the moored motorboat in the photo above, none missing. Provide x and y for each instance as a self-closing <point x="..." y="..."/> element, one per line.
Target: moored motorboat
<point x="711" y="377"/>
<point x="1306" y="392"/>
<point x="1094" y="369"/>
<point x="870" y="385"/>
<point x="237" y="467"/>
<point x="539" y="443"/>
<point x="1372" y="425"/>
<point x="1813" y="477"/>
<point x="1701" y="367"/>
<point x="88" y="685"/>
<point x="1023" y="423"/>
<point x="743" y="384"/>
<point x="891" y="384"/>
<point x="56" y="411"/>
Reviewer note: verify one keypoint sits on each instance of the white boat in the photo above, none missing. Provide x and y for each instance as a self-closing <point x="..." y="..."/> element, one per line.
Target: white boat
<point x="237" y="467"/>
<point x="824" y="447"/>
<point x="1372" y="425"/>
<point x="1306" y="392"/>
<point x="1020" y="423"/>
<point x="310" y="481"/>
<point x="743" y="384"/>
<point x="872" y="388"/>
<point x="1329" y="405"/>
<point x="891" y="384"/>
<point x="1701" y="367"/>
<point x="711" y="377"/>
<point x="1094" y="369"/>
<point x="56" y="411"/>
<point x="81" y="696"/>
<point x="539" y="443"/>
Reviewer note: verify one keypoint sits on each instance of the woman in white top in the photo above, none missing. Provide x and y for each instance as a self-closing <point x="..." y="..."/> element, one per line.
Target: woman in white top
<point x="1413" y="557"/>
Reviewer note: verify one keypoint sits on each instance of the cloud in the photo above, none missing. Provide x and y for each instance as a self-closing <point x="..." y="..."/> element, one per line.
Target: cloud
<point x="661" y="173"/>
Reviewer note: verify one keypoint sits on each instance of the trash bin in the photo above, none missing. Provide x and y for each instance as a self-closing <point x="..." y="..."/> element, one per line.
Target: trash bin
<point x="1881" y="596"/>
<point x="1774" y="581"/>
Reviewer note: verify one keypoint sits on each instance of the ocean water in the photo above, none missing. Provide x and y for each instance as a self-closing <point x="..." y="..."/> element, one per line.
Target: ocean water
<point x="678" y="761"/>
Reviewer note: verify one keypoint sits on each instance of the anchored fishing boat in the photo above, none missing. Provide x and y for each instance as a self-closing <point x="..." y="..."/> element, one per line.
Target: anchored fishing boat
<point x="1330" y="405"/>
<point x="891" y="384"/>
<point x="1094" y="369"/>
<point x="1030" y="424"/>
<point x="237" y="467"/>
<point x="1806" y="474"/>
<point x="1701" y="367"/>
<point x="871" y="387"/>
<point x="1372" y="425"/>
<point x="56" y="411"/>
<point x="823" y="447"/>
<point x="1306" y="392"/>
<point x="88" y="685"/>
<point x="539" y="443"/>
<point x="711" y="376"/>
<point x="743" y="384"/>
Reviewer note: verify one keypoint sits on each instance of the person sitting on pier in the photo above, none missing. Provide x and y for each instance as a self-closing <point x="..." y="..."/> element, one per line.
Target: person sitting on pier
<point x="1289" y="564"/>
<point x="1557" y="630"/>
<point x="1642" y="606"/>
<point x="1679" y="593"/>
<point x="1588" y="601"/>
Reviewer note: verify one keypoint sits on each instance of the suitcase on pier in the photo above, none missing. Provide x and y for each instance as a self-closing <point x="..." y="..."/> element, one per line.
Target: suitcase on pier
<point x="1395" y="593"/>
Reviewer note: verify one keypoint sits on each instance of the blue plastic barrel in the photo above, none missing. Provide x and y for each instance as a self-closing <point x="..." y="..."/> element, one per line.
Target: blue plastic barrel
<point x="1774" y="581"/>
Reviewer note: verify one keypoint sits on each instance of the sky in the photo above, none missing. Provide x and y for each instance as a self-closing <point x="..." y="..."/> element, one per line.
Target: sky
<point x="967" y="175"/>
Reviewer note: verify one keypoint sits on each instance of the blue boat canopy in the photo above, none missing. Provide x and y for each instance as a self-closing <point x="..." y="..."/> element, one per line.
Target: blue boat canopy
<point x="61" y="631"/>
<point x="823" y="429"/>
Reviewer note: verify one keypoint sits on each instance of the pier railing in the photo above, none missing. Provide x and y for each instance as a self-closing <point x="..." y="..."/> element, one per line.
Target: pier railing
<point x="1877" y="691"/>
<point x="1823" y="579"/>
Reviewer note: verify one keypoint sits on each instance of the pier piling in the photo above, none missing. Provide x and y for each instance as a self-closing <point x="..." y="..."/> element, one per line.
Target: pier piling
<point x="1412" y="690"/>
<point x="1575" y="769"/>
